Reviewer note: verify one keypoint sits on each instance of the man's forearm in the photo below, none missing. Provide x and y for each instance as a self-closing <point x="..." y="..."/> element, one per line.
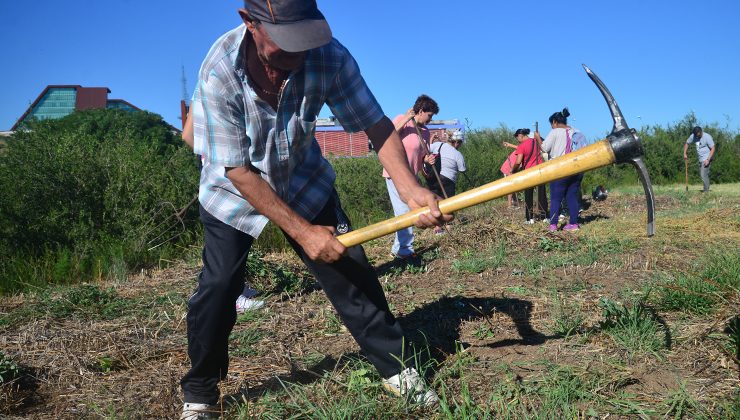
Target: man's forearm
<point x="264" y="199"/>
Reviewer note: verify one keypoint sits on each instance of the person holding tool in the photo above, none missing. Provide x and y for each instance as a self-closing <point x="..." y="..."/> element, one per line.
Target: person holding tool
<point x="449" y="161"/>
<point x="705" y="152"/>
<point x="259" y="92"/>
<point x="558" y="143"/>
<point x="412" y="129"/>
<point x="528" y="156"/>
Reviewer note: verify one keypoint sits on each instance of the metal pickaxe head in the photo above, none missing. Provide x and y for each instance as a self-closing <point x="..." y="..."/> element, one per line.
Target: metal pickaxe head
<point x="627" y="148"/>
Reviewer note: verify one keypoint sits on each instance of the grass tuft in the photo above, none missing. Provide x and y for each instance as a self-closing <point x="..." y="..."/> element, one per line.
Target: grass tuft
<point x="633" y="326"/>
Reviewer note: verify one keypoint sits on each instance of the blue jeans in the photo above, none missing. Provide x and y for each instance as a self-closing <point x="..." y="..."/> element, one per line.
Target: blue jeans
<point x="569" y="188"/>
<point x="403" y="245"/>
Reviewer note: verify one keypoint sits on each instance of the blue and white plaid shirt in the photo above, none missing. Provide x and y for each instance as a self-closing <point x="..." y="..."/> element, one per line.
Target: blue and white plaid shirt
<point x="233" y="127"/>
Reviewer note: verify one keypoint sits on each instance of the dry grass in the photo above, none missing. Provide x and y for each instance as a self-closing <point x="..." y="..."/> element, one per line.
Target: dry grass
<point x="489" y="333"/>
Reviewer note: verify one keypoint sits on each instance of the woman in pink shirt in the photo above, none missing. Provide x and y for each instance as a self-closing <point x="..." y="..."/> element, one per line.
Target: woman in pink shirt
<point x="420" y="115"/>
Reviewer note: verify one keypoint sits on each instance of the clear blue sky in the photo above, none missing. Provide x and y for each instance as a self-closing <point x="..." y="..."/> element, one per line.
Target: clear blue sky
<point x="488" y="61"/>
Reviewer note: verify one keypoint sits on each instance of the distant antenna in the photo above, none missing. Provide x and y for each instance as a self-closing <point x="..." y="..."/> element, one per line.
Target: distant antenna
<point x="184" y="82"/>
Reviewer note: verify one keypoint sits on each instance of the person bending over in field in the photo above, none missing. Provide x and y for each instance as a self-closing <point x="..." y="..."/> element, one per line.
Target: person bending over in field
<point x="259" y="92"/>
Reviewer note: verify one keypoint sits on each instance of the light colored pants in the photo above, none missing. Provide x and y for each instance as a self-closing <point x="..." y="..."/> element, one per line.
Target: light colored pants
<point x="403" y="245"/>
<point x="704" y="172"/>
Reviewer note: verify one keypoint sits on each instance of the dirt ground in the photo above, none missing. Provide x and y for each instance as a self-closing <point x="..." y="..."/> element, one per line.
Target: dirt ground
<point x="500" y="319"/>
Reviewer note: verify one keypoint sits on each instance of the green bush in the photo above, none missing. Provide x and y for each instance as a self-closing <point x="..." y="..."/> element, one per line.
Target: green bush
<point x="484" y="153"/>
<point x="362" y="189"/>
<point x="80" y="196"/>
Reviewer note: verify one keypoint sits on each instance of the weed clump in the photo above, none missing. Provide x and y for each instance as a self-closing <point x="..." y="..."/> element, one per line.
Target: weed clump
<point x="634" y="326"/>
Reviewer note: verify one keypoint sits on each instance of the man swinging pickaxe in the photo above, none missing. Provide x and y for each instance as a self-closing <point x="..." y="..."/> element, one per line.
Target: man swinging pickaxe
<point x="621" y="146"/>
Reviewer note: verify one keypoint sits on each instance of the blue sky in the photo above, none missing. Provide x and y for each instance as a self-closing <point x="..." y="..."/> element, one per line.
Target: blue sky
<point x="489" y="62"/>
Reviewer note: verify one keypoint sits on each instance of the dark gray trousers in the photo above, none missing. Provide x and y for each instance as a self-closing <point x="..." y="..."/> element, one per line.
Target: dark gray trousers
<point x="704" y="172"/>
<point x="351" y="285"/>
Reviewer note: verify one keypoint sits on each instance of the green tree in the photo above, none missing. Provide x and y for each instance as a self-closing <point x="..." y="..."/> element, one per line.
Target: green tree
<point x="83" y="188"/>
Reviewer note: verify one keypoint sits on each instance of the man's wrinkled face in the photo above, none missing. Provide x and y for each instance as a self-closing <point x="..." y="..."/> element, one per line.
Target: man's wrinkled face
<point x="270" y="54"/>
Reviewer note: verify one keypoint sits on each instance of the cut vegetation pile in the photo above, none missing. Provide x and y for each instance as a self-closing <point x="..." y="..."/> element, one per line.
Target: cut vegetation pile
<point x="508" y="321"/>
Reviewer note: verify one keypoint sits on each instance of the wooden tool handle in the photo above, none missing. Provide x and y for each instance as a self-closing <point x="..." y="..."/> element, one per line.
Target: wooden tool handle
<point x="590" y="157"/>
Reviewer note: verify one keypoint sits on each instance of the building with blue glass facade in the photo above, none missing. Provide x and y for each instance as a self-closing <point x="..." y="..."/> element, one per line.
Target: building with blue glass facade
<point x="57" y="101"/>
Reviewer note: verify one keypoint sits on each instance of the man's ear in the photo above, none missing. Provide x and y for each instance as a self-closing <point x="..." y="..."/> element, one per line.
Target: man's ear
<point x="246" y="17"/>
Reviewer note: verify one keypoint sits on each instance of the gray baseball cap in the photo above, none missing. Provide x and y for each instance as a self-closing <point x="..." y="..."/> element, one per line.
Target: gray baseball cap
<point x="294" y="25"/>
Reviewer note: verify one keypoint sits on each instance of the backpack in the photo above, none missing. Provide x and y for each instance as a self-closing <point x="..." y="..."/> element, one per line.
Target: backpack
<point x="577" y="140"/>
<point x="428" y="172"/>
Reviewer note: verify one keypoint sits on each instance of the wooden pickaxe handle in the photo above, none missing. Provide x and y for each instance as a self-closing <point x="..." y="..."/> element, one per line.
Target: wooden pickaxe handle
<point x="582" y="160"/>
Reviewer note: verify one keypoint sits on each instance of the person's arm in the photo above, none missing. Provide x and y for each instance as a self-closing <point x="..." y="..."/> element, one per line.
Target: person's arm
<point x="549" y="141"/>
<point x="460" y="162"/>
<point x="406" y="118"/>
<point x="710" y="144"/>
<point x="517" y="164"/>
<point x="393" y="158"/>
<point x="317" y="241"/>
<point x="507" y="144"/>
<point x="685" y="151"/>
<point x="187" y="131"/>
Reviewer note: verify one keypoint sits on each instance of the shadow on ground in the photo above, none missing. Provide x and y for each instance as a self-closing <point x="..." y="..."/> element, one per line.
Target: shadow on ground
<point x="437" y="324"/>
<point x="423" y="256"/>
<point x="296" y="376"/>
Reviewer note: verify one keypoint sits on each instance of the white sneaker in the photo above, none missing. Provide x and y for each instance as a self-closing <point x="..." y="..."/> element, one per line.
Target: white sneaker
<point x="409" y="384"/>
<point x="530" y="222"/>
<point x="194" y="411"/>
<point x="244" y="304"/>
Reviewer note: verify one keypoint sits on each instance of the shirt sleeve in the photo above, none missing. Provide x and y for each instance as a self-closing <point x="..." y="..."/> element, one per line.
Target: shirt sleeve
<point x="351" y="100"/>
<point x="460" y="161"/>
<point x="690" y="139"/>
<point x="549" y="141"/>
<point x="219" y="122"/>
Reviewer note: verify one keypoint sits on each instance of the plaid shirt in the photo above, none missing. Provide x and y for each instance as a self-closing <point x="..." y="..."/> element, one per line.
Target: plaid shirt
<point x="233" y="127"/>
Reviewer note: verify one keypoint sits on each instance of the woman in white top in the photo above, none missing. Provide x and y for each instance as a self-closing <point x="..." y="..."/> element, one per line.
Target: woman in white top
<point x="449" y="161"/>
<point x="558" y="143"/>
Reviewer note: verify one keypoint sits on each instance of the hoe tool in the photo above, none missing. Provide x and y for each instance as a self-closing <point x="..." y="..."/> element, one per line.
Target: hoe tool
<point x="621" y="146"/>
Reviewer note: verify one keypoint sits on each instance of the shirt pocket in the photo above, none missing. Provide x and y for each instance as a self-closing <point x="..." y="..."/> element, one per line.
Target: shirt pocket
<point x="304" y="133"/>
